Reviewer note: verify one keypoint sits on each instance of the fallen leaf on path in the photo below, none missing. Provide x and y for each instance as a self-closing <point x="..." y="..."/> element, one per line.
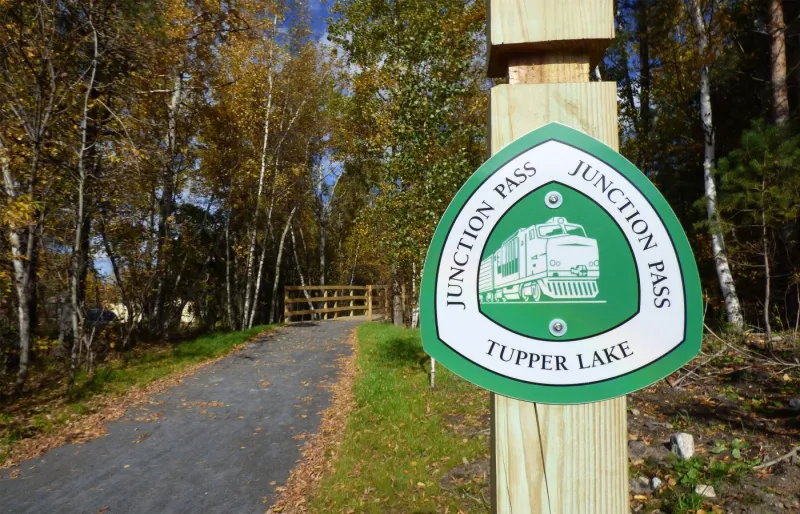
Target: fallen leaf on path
<point x="320" y="450"/>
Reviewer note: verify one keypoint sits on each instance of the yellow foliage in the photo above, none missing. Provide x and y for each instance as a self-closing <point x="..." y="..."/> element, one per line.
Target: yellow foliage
<point x="44" y="344"/>
<point x="19" y="212"/>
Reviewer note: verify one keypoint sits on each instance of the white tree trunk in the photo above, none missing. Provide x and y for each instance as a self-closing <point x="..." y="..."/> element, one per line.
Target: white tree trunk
<point x="324" y="219"/>
<point x="268" y="235"/>
<point x="23" y="250"/>
<point x="300" y="271"/>
<point x="167" y="199"/>
<point x="259" y="277"/>
<point x="251" y="252"/>
<point x="397" y="302"/>
<point x="323" y="234"/>
<point x="732" y="306"/>
<point x="79" y="257"/>
<point x="353" y="270"/>
<point x="767" y="270"/>
<point x="276" y="281"/>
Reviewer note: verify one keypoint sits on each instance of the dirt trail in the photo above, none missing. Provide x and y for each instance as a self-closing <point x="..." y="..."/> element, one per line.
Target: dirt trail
<point x="221" y="441"/>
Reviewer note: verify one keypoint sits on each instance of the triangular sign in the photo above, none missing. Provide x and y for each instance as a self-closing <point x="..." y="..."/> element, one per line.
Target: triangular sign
<point x="559" y="274"/>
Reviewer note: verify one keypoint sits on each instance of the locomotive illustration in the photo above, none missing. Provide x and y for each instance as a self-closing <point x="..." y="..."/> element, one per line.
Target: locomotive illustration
<point x="554" y="259"/>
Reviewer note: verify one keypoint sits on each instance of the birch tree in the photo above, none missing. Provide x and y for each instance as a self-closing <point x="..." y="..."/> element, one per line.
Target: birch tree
<point x="278" y="261"/>
<point x="723" y="269"/>
<point x="36" y="77"/>
<point x="80" y="249"/>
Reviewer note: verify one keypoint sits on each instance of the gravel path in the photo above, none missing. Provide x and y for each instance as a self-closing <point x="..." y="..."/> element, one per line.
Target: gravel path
<point x="219" y="442"/>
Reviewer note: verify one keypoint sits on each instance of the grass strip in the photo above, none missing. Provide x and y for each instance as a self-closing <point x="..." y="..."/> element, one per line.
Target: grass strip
<point x="118" y="376"/>
<point x="403" y="439"/>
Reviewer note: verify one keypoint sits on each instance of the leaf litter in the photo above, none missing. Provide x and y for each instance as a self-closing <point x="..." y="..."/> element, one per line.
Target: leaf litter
<point x="320" y="449"/>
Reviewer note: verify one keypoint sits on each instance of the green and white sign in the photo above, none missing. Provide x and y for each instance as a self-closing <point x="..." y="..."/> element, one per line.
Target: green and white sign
<point x="559" y="274"/>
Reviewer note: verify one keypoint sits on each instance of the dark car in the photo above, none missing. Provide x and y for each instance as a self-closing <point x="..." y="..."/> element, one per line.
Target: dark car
<point x="97" y="316"/>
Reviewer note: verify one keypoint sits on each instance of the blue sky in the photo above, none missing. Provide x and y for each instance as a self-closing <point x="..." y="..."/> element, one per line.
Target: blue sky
<point x="319" y="16"/>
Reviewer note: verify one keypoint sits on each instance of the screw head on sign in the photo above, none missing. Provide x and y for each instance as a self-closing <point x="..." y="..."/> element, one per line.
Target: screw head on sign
<point x="553" y="199"/>
<point x="558" y="327"/>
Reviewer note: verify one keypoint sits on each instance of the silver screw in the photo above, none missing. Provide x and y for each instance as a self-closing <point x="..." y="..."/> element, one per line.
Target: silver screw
<point x="553" y="199"/>
<point x="558" y="327"/>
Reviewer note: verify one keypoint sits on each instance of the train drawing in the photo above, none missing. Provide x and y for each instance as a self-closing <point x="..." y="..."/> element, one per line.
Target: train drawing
<point x="555" y="259"/>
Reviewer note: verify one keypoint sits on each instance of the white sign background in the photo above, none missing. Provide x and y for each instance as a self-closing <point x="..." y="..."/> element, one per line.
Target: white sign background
<point x="650" y="334"/>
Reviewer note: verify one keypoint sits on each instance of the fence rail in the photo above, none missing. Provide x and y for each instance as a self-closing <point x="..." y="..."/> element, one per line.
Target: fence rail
<point x="325" y="302"/>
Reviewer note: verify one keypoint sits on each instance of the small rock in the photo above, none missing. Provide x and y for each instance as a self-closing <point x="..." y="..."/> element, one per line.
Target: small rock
<point x="655" y="483"/>
<point x="639" y="485"/>
<point x="794" y="403"/>
<point x="635" y="412"/>
<point x="636" y="450"/>
<point x="706" y="491"/>
<point x="682" y="445"/>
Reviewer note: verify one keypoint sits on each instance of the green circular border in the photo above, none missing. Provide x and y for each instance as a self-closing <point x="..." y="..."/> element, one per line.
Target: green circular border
<point x="596" y="391"/>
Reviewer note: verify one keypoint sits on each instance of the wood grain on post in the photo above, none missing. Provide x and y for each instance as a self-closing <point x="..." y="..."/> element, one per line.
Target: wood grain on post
<point x="556" y="459"/>
<point x="547" y="27"/>
<point x="286" y="315"/>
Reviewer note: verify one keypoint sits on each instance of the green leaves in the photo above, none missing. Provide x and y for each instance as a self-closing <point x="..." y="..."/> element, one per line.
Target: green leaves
<point x="417" y="107"/>
<point x="736" y="447"/>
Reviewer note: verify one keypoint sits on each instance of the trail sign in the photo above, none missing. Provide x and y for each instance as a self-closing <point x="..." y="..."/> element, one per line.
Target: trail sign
<point x="559" y="274"/>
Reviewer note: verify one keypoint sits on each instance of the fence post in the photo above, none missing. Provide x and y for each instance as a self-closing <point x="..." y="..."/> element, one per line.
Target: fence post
<point x="369" y="303"/>
<point x="385" y="303"/>
<point x="286" y="314"/>
<point x="352" y="302"/>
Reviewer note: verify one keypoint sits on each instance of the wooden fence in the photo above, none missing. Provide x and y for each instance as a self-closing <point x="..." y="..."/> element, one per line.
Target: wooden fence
<point x="326" y="302"/>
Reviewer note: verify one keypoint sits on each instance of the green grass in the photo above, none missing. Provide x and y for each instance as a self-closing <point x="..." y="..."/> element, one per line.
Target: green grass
<point x="120" y="375"/>
<point x="682" y="499"/>
<point x="45" y="411"/>
<point x="397" y="443"/>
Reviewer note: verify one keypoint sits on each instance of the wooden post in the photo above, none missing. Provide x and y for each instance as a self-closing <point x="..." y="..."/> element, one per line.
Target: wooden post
<point x="325" y="315"/>
<point x="369" y="303"/>
<point x="336" y="302"/>
<point x="286" y="314"/>
<point x="556" y="459"/>
<point x="352" y="302"/>
<point x="403" y="300"/>
<point x="386" y="303"/>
